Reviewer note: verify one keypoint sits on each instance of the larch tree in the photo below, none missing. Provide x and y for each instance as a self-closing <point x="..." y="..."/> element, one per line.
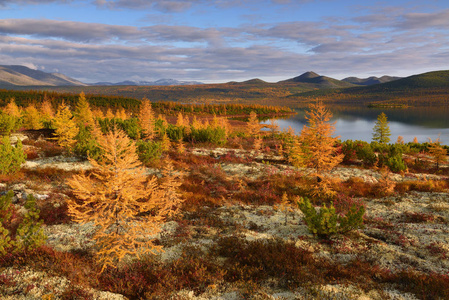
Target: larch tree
<point x="12" y="109"/>
<point x="65" y="127"/>
<point x="126" y="206"/>
<point x="32" y="118"/>
<point x="438" y="153"/>
<point x="83" y="114"/>
<point x="315" y="146"/>
<point x="146" y="119"/>
<point x="47" y="112"/>
<point x="381" y="130"/>
<point x="253" y="124"/>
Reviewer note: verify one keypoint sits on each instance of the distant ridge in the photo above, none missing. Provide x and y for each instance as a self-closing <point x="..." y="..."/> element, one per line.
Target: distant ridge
<point x="370" y="80"/>
<point x="14" y="75"/>
<point x="318" y="80"/>
<point x="255" y="81"/>
<point x="167" y="82"/>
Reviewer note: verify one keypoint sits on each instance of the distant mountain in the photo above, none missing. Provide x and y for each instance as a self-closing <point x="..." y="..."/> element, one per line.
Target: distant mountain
<point x="430" y="80"/>
<point x="318" y="81"/>
<point x="146" y="83"/>
<point x="255" y="81"/>
<point x="370" y="80"/>
<point x="23" y="76"/>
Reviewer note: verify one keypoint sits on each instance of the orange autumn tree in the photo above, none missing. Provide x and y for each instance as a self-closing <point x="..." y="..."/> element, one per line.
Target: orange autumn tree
<point x="126" y="206"/>
<point x="314" y="147"/>
<point x="146" y="119"/>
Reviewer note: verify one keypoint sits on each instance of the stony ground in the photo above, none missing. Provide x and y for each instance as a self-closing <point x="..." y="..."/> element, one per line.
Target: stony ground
<point x="401" y="231"/>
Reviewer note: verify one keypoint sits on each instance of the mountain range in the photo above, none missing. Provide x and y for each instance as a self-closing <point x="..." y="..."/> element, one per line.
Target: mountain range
<point x="157" y="82"/>
<point x="23" y="76"/>
<point x="15" y="75"/>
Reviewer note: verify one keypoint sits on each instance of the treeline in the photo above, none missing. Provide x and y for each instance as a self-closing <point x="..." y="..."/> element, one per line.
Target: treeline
<point x="379" y="96"/>
<point x="132" y="105"/>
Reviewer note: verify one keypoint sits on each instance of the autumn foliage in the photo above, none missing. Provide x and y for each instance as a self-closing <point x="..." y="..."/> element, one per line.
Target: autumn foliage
<point x="126" y="207"/>
<point x="315" y="146"/>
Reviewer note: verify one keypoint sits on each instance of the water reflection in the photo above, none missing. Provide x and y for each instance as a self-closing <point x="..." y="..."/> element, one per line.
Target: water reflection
<point x="357" y="123"/>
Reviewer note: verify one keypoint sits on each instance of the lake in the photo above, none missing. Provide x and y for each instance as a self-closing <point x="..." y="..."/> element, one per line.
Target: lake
<point x="356" y="123"/>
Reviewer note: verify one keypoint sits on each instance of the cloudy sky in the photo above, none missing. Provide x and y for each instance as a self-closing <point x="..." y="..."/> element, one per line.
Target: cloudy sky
<point x="223" y="40"/>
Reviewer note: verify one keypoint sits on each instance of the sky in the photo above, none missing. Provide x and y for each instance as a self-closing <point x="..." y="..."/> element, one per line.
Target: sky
<point x="224" y="40"/>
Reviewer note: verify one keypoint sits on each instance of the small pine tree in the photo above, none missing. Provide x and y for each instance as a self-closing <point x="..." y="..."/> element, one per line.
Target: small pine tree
<point x="65" y="127"/>
<point x="125" y="206"/>
<point x="381" y="130"/>
<point x="8" y="123"/>
<point x="11" y="158"/>
<point x="30" y="234"/>
<point x="5" y="215"/>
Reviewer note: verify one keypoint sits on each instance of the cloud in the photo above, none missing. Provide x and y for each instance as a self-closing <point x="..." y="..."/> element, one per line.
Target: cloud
<point x="413" y="21"/>
<point x="4" y="3"/>
<point x="381" y="42"/>
<point x="74" y="31"/>
<point x="102" y="33"/>
<point x="176" y="6"/>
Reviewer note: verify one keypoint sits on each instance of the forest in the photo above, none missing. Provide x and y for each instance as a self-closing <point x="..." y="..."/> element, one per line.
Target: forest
<point x="109" y="197"/>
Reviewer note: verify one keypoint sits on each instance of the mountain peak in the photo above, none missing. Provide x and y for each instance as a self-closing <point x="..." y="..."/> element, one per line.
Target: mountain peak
<point x="308" y="75"/>
<point x="12" y="75"/>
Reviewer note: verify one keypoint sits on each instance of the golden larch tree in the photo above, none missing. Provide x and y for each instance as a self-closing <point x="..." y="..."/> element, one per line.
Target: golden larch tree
<point x="315" y="147"/>
<point x="146" y="119"/>
<point x="438" y="153"/>
<point x="83" y="114"/>
<point x="32" y="118"/>
<point x="46" y="110"/>
<point x="65" y="127"/>
<point x="126" y="206"/>
<point x="109" y="115"/>
<point x="253" y="126"/>
<point x="12" y="109"/>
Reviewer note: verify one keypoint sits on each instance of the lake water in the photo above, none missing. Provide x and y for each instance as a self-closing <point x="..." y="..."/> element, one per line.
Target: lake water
<point x="356" y="123"/>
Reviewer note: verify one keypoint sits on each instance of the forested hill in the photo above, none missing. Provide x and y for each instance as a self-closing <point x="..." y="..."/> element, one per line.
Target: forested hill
<point x="430" y="88"/>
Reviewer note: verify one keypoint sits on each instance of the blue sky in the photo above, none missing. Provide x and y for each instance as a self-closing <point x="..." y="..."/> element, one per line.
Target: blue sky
<point x="219" y="40"/>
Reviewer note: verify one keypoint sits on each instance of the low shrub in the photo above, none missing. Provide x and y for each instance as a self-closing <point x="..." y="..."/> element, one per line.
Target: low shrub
<point x="149" y="151"/>
<point x="327" y="222"/>
<point x="130" y="126"/>
<point x="214" y="135"/>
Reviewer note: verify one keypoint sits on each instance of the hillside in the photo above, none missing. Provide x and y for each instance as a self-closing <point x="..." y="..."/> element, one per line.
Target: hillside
<point x="24" y="76"/>
<point x="370" y="80"/>
<point x="318" y="81"/>
<point x="431" y="88"/>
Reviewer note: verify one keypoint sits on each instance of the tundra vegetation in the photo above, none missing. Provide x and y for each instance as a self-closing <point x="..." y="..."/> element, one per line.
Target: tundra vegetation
<point x="150" y="200"/>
